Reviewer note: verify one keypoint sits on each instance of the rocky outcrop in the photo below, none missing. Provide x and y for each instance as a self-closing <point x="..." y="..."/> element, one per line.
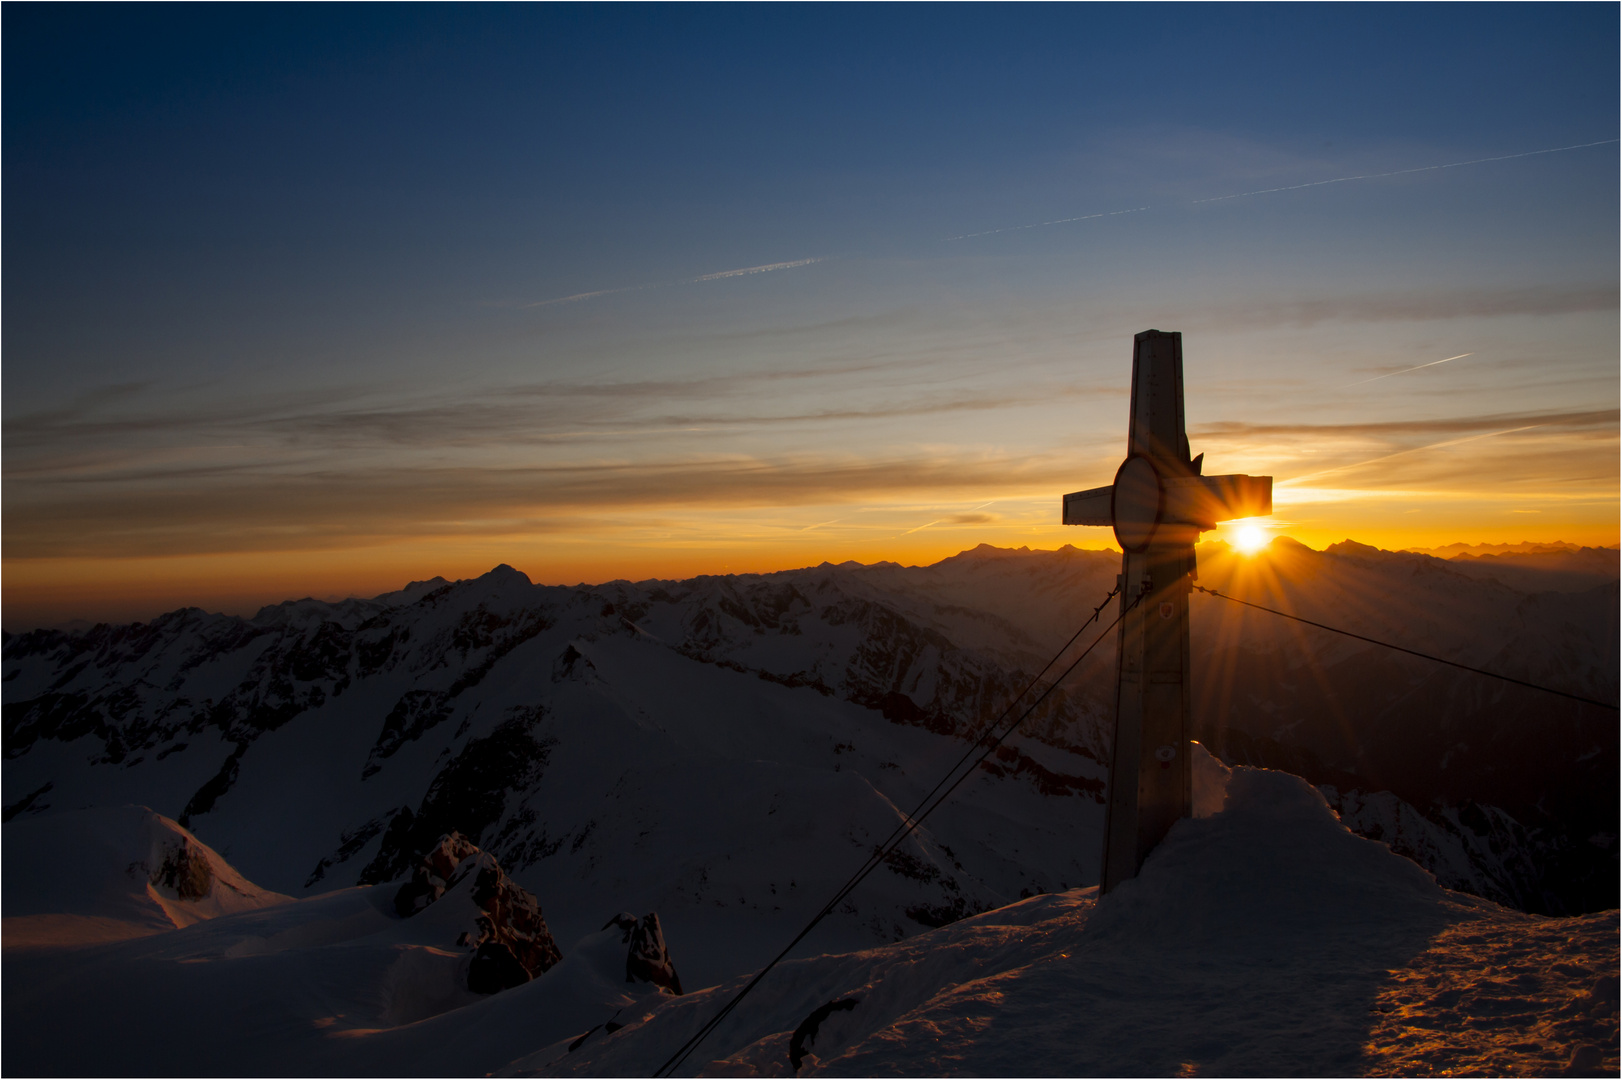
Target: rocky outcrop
<point x="512" y="934"/>
<point x="431" y="877"/>
<point x="507" y="935"/>
<point x="647" y="958"/>
<point x="1470" y="847"/>
<point x="806" y="1034"/>
<point x="184" y="871"/>
<point x="471" y="792"/>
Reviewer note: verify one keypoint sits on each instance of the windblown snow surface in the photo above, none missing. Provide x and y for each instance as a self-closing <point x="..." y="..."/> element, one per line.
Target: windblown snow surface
<point x="1261" y="938"/>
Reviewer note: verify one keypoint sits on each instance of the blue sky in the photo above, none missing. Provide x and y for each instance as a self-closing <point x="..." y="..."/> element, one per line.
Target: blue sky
<point x="286" y="286"/>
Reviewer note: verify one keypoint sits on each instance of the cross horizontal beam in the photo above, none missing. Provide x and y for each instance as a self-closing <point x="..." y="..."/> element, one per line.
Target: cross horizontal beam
<point x="1201" y="501"/>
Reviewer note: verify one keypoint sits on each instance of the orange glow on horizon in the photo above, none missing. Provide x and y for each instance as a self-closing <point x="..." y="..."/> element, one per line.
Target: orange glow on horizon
<point x="52" y="591"/>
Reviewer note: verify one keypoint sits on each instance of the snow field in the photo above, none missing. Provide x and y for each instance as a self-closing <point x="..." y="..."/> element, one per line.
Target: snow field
<point x="1261" y="938"/>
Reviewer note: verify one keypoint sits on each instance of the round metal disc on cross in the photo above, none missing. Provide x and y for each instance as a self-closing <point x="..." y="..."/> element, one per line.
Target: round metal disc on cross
<point x="1137" y="502"/>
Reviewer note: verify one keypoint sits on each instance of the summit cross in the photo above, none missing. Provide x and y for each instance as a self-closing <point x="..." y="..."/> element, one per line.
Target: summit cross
<point x="1158" y="505"/>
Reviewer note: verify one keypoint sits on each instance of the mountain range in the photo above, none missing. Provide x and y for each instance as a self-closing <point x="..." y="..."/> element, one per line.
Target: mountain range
<point x="661" y="741"/>
<point x="724" y="751"/>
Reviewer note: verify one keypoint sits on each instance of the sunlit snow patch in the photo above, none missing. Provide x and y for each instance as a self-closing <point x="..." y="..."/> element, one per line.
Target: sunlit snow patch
<point x="110" y="873"/>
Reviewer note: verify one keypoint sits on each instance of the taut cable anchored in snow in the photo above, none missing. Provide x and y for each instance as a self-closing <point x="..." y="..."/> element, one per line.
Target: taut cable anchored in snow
<point x="910" y="822"/>
<point x="1410" y="652"/>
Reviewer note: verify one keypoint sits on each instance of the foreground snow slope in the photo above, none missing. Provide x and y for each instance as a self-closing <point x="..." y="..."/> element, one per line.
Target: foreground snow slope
<point x="1263" y="938"/>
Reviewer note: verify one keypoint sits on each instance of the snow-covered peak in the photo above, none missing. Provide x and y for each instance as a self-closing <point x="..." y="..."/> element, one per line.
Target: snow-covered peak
<point x="114" y="872"/>
<point x="1276" y="860"/>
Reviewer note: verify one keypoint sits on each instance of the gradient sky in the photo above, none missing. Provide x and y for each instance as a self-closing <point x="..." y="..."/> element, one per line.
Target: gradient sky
<point x="322" y="299"/>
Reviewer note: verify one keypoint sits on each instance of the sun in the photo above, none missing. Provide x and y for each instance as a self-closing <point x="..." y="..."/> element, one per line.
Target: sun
<point x="1250" y="538"/>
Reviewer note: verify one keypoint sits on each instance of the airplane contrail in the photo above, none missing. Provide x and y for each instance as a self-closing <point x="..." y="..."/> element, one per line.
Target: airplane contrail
<point x="1405" y="370"/>
<point x="719" y="275"/>
<point x="793" y="263"/>
<point x="571" y="298"/>
<point x="1404" y="172"/>
<point x="1400" y="453"/>
<point x="750" y="270"/>
<point x="1043" y="224"/>
<point x="1289" y="187"/>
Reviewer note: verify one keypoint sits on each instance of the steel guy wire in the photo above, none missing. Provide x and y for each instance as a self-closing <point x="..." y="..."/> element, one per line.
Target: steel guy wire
<point x="911" y="821"/>
<point x="1410" y="652"/>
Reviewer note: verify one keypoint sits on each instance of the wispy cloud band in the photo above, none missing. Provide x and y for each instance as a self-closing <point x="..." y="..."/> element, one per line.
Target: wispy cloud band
<point x="320" y="508"/>
<point x="328" y="502"/>
<point x="1570" y="420"/>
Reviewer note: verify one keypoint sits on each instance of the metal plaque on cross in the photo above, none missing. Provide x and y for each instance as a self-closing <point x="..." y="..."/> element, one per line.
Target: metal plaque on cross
<point x="1158" y="505"/>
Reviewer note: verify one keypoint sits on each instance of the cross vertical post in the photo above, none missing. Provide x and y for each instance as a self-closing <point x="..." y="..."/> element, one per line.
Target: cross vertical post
<point x="1151" y="688"/>
<point x="1157" y="506"/>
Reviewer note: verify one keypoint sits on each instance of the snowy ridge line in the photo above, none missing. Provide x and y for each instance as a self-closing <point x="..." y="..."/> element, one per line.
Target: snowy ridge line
<point x="1414" y="652"/>
<point x="924" y="808"/>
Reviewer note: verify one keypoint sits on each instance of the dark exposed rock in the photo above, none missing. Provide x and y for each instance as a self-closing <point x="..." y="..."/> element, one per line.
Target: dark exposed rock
<point x="349" y="845"/>
<point x="413" y="715"/>
<point x="482" y="630"/>
<point x="509" y="937"/>
<point x="807" y="1031"/>
<point x="218" y="784"/>
<point x="934" y="915"/>
<point x="572" y="664"/>
<point x="56" y="715"/>
<point x="647" y="958"/>
<point x="467" y="796"/>
<point x="1468" y="846"/>
<point x="431" y="876"/>
<point x="607" y="1029"/>
<point x="184" y="871"/>
<point x="1014" y="762"/>
<point x="27" y="801"/>
<point x="494" y="968"/>
<point x="512" y="917"/>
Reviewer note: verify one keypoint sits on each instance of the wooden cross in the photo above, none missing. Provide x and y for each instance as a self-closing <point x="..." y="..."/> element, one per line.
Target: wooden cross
<point x="1158" y="506"/>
